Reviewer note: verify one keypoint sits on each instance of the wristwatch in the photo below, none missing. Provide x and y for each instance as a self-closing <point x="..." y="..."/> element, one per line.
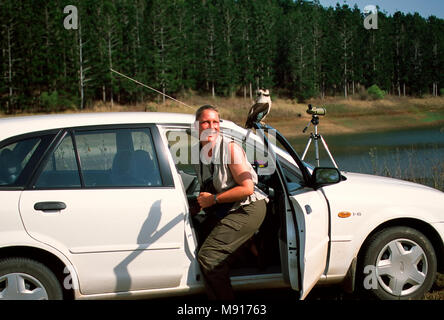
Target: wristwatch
<point x="215" y="199"/>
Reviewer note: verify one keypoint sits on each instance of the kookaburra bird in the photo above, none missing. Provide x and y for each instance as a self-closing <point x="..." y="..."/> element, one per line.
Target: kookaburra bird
<point x="259" y="109"/>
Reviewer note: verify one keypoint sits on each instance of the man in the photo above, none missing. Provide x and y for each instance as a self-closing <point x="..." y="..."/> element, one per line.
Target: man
<point x="234" y="182"/>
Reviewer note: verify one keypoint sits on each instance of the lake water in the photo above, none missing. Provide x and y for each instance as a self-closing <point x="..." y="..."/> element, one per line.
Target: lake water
<point x="406" y="154"/>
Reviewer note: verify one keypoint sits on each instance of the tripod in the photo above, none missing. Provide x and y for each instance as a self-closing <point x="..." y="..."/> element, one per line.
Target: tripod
<point x="316" y="136"/>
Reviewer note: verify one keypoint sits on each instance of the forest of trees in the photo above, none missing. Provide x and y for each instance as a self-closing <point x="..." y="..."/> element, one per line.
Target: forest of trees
<point x="299" y="49"/>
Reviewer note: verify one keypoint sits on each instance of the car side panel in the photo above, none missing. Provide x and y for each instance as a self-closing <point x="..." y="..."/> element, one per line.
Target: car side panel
<point x="119" y="240"/>
<point x="9" y="215"/>
<point x="125" y="271"/>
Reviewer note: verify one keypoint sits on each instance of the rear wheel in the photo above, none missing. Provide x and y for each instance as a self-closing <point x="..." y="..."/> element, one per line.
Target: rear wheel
<point x="26" y="279"/>
<point x="400" y="263"/>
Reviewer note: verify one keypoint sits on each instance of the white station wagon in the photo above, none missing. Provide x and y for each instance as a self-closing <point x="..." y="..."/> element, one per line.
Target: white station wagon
<point x="95" y="206"/>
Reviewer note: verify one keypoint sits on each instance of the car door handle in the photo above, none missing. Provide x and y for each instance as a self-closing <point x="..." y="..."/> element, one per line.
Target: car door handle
<point x="50" y="206"/>
<point x="308" y="209"/>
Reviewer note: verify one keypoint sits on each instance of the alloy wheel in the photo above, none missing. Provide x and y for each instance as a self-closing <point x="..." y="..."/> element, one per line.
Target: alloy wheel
<point x="21" y="286"/>
<point x="401" y="267"/>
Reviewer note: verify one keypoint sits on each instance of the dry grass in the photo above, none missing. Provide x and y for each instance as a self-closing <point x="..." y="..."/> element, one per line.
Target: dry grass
<point x="437" y="292"/>
<point x="343" y="115"/>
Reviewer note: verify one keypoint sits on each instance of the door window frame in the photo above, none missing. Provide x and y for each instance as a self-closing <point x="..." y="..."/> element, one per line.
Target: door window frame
<point x="47" y="139"/>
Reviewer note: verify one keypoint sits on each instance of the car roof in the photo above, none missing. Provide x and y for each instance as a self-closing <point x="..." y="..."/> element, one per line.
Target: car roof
<point x="14" y="126"/>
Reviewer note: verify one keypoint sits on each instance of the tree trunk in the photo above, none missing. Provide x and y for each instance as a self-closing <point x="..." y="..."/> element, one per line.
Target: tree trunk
<point x="323" y="90"/>
<point x="373" y="45"/>
<point x="65" y="72"/>
<point x="398" y="84"/>
<point x="47" y="45"/>
<point x="164" y="93"/>
<point x="162" y="59"/>
<point x="110" y="64"/>
<point x="301" y="64"/>
<point x="82" y="93"/>
<point x="8" y="31"/>
<point x="211" y="66"/>
<point x="345" y="62"/>
<point x="435" y="62"/>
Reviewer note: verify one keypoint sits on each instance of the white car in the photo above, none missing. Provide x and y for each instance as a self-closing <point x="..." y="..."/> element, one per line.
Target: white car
<point x="95" y="206"/>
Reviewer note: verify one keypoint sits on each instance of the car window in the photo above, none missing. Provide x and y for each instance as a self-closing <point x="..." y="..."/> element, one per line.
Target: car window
<point x="13" y="159"/>
<point x="182" y="144"/>
<point x="61" y="169"/>
<point x="293" y="178"/>
<point x="118" y="157"/>
<point x="108" y="158"/>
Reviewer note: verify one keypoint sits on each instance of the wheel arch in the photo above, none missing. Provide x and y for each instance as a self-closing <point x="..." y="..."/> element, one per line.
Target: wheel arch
<point x="51" y="261"/>
<point x="421" y="226"/>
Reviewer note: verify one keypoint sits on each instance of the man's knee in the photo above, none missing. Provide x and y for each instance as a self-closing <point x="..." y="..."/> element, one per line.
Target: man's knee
<point x="205" y="262"/>
<point x="211" y="260"/>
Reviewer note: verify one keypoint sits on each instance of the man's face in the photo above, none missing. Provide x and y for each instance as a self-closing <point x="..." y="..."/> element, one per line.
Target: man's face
<point x="209" y="126"/>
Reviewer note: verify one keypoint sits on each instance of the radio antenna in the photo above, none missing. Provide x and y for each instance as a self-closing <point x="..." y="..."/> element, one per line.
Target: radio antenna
<point x="148" y="87"/>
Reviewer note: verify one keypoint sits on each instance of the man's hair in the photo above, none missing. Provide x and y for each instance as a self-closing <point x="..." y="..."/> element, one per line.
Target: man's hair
<point x="203" y="108"/>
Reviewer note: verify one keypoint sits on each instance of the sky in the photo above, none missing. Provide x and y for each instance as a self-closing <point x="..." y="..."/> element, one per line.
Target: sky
<point x="425" y="8"/>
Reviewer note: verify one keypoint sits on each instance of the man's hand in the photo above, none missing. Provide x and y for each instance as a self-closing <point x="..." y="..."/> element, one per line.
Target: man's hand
<point x="205" y="199"/>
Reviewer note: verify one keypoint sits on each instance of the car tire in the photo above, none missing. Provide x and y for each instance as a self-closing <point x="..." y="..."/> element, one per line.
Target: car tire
<point x="399" y="264"/>
<point x="26" y="279"/>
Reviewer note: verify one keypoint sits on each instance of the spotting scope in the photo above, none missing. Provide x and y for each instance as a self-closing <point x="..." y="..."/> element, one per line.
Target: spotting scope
<point x="316" y="111"/>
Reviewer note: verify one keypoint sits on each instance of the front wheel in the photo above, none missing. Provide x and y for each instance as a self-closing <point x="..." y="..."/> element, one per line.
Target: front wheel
<point x="399" y="263"/>
<point x="26" y="279"/>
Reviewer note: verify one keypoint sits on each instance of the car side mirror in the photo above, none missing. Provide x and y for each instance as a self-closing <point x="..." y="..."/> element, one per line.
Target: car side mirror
<point x="325" y="176"/>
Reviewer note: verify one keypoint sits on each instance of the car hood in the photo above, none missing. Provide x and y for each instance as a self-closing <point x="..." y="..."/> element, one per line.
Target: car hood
<point x="372" y="180"/>
<point x="363" y="192"/>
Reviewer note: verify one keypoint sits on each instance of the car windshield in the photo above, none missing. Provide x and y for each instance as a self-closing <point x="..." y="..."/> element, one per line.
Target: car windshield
<point x="13" y="159"/>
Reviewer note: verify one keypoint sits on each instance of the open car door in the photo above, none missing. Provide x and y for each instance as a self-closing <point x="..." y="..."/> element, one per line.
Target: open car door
<point x="304" y="234"/>
<point x="310" y="210"/>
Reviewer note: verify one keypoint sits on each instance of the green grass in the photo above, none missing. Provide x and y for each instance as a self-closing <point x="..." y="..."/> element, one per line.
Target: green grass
<point x="430" y="116"/>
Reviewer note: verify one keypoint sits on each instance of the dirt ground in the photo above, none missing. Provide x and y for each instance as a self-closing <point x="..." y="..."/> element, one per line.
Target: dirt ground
<point x="321" y="293"/>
